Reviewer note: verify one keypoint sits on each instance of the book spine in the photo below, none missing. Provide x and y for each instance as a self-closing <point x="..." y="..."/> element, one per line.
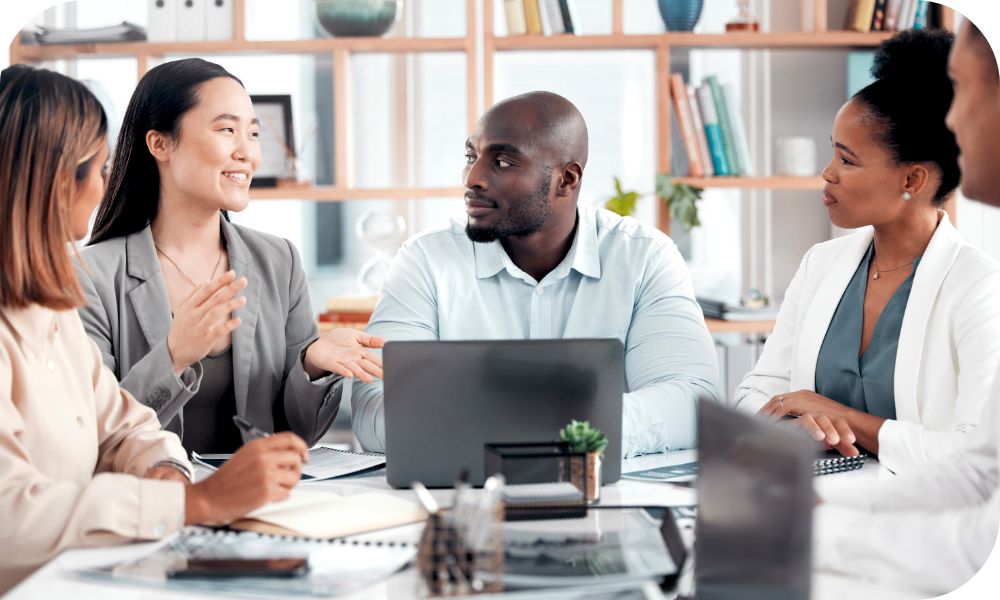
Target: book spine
<point x="543" y="15"/>
<point x="739" y="133"/>
<point x="567" y="17"/>
<point x="860" y="18"/>
<point x="162" y="20"/>
<point x="699" y="133"/>
<point x="678" y="92"/>
<point x="713" y="133"/>
<point x="678" y="160"/>
<point x="920" y="19"/>
<point x="514" y="11"/>
<point x="909" y="14"/>
<point x="892" y="14"/>
<point x="554" y="15"/>
<point x="878" y="16"/>
<point x="532" y="17"/>
<point x="219" y="20"/>
<point x="191" y="21"/>
<point x="727" y="128"/>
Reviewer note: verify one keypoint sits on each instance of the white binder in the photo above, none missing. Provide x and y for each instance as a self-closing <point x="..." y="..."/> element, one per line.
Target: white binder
<point x="218" y="19"/>
<point x="162" y="20"/>
<point x="190" y="20"/>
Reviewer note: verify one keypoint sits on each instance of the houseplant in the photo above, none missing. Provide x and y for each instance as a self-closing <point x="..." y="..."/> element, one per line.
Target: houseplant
<point x="681" y="200"/>
<point x="584" y="438"/>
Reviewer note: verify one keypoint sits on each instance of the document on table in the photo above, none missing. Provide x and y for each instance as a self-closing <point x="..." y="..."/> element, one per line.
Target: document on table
<point x="324" y="462"/>
<point x="683" y="473"/>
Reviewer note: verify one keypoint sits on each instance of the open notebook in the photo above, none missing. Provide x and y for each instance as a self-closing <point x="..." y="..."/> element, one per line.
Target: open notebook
<point x="324" y="462"/>
<point x="325" y="515"/>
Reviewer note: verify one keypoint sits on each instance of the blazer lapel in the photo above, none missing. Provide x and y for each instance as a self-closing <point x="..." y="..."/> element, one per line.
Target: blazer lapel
<point x="822" y="305"/>
<point x="243" y="336"/>
<point x="937" y="260"/>
<point x="149" y="298"/>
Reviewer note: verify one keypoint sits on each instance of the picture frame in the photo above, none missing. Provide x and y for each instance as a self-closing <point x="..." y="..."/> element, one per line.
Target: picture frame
<point x="277" y="138"/>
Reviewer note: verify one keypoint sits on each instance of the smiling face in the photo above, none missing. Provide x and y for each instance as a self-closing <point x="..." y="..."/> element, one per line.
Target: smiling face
<point x="507" y="185"/>
<point x="975" y="116"/>
<point x="864" y="186"/>
<point x="217" y="151"/>
<point x="89" y="190"/>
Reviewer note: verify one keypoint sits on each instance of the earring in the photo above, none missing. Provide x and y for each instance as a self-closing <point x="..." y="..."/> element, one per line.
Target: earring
<point x="907" y="196"/>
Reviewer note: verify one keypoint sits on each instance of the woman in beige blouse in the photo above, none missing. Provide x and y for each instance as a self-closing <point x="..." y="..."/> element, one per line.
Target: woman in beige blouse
<point x="81" y="462"/>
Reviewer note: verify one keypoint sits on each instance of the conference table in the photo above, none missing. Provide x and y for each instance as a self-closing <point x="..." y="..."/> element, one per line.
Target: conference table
<point x="58" y="579"/>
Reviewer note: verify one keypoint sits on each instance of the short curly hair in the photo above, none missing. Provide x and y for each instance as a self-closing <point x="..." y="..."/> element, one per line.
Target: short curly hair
<point x="908" y="102"/>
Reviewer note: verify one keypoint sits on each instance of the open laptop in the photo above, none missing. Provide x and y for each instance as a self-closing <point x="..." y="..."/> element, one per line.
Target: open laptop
<point x="755" y="503"/>
<point x="445" y="400"/>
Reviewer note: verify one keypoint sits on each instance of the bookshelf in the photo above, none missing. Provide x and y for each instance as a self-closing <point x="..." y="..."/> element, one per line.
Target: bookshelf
<point x="815" y="34"/>
<point x="480" y="44"/>
<point x="340" y="49"/>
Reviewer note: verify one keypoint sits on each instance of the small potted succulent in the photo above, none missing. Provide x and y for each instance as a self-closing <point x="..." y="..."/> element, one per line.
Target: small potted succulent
<point x="584" y="438"/>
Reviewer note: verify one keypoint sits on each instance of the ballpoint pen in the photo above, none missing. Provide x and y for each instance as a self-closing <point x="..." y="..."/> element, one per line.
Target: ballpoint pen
<point x="252" y="431"/>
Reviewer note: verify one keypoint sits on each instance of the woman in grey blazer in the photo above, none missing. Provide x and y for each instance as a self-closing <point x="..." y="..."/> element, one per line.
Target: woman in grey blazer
<point x="198" y="317"/>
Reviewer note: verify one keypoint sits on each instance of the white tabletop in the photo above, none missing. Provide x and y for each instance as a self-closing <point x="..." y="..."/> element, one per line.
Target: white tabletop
<point x="56" y="579"/>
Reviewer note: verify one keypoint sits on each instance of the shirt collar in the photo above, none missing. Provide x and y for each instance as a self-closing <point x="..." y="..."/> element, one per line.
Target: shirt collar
<point x="34" y="324"/>
<point x="583" y="254"/>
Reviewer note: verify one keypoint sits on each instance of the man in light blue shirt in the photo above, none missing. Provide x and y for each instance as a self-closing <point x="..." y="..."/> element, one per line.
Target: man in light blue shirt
<point x="531" y="264"/>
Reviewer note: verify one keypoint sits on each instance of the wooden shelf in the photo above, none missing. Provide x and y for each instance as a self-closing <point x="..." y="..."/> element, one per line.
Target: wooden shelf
<point x="830" y="39"/>
<point x="748" y="327"/>
<point x="338" y="194"/>
<point x="755" y="183"/>
<point x="317" y="46"/>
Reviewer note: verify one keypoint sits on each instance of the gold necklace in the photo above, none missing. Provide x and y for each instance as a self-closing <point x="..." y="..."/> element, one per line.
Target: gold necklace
<point x="182" y="273"/>
<point x="879" y="271"/>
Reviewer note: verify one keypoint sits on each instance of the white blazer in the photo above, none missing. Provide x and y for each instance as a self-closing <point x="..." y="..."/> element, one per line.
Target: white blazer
<point x="949" y="341"/>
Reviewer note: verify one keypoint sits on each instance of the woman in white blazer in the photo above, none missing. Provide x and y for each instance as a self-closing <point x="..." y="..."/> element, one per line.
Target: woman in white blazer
<point x="890" y="337"/>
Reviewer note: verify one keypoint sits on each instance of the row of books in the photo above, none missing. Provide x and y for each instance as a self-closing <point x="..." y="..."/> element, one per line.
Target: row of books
<point x="709" y="139"/>
<point x="538" y="17"/>
<point x="892" y="15"/>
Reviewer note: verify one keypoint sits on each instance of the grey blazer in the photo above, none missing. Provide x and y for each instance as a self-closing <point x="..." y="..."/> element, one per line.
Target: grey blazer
<point x="128" y="316"/>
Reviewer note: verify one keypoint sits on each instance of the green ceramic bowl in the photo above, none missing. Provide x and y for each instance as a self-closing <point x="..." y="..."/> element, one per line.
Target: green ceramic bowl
<point x="356" y="17"/>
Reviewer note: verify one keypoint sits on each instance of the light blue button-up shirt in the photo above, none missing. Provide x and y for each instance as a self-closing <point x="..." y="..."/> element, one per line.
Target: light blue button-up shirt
<point x="620" y="279"/>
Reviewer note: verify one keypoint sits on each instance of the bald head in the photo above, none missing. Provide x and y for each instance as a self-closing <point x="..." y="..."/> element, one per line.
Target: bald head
<point x="524" y="166"/>
<point x="543" y="122"/>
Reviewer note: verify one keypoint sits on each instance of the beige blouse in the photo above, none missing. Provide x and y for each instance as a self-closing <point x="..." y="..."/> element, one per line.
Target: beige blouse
<point x="73" y="446"/>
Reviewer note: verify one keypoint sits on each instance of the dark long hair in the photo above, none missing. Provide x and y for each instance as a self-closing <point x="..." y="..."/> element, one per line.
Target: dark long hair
<point x="52" y="129"/>
<point x="164" y="94"/>
<point x="909" y="100"/>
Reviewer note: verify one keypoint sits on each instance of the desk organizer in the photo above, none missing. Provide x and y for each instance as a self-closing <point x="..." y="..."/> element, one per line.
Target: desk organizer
<point x="544" y="480"/>
<point x="452" y="561"/>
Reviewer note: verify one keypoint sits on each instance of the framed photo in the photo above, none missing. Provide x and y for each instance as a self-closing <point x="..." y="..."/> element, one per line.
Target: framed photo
<point x="277" y="143"/>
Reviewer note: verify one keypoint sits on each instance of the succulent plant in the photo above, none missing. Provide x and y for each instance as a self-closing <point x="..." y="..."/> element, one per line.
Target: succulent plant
<point x="584" y="438"/>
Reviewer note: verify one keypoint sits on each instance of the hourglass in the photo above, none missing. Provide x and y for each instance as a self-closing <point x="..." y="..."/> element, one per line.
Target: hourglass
<point x="384" y="230"/>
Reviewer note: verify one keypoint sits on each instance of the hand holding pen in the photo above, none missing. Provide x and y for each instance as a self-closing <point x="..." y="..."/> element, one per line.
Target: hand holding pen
<point x="264" y="470"/>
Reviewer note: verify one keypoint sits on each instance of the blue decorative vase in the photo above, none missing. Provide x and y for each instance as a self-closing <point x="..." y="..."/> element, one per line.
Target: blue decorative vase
<point x="680" y="15"/>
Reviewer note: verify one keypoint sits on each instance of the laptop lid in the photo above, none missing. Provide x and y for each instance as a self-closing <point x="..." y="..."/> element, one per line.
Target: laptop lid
<point x="445" y="400"/>
<point x="755" y="503"/>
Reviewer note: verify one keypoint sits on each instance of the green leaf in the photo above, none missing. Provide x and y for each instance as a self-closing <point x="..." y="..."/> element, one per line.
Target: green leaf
<point x="622" y="203"/>
<point x="681" y="200"/>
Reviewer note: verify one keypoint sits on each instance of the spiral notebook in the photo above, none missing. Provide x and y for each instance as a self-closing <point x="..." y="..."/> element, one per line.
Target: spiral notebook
<point x="336" y="567"/>
<point x="325" y="462"/>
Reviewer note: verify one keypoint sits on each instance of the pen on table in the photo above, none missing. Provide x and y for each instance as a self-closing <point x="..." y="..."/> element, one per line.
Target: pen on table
<point x="252" y="431"/>
<point x="430" y="505"/>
